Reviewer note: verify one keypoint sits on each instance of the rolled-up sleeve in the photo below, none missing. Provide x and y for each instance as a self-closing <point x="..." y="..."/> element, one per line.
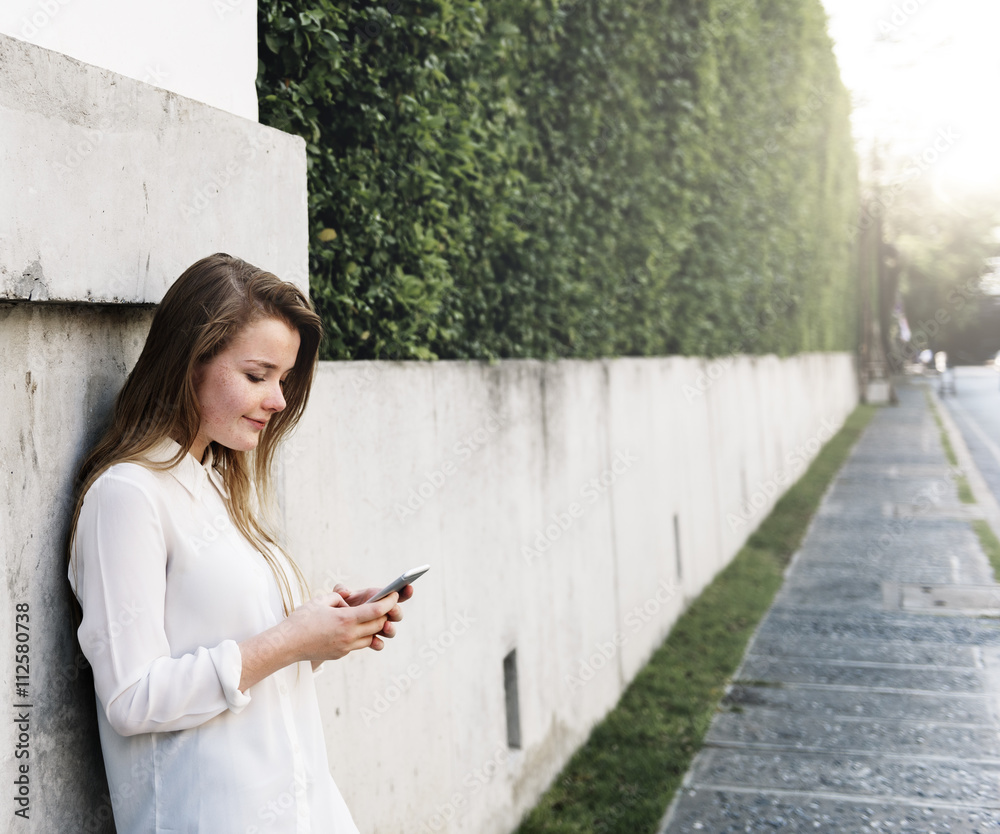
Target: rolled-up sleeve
<point x="119" y="574"/>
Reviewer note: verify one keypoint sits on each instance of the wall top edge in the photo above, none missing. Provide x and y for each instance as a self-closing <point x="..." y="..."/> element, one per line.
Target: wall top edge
<point x="334" y="364"/>
<point x="113" y="187"/>
<point x="29" y="91"/>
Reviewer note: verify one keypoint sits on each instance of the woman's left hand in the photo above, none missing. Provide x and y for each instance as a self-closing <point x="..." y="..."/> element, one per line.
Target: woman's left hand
<point x="395" y="614"/>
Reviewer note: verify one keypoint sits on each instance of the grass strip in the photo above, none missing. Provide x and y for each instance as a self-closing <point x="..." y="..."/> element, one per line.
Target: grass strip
<point x="624" y="776"/>
<point x="990" y="544"/>
<point x="961" y="482"/>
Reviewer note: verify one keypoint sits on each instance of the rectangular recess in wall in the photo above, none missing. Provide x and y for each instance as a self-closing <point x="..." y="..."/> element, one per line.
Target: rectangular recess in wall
<point x="677" y="546"/>
<point x="510" y="696"/>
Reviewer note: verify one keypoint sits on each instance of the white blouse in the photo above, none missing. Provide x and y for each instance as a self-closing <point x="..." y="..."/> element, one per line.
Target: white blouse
<point x="168" y="587"/>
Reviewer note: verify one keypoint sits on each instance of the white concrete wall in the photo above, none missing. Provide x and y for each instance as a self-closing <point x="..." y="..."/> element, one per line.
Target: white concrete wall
<point x="202" y="49"/>
<point x="468" y="467"/>
<point x="60" y="367"/>
<point x="111" y="187"/>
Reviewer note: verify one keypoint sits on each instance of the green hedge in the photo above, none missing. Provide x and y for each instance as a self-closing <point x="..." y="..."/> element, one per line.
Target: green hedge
<point x="533" y="179"/>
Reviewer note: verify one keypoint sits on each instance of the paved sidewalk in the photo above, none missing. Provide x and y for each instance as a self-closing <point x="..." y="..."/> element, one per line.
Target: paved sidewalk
<point x="868" y="698"/>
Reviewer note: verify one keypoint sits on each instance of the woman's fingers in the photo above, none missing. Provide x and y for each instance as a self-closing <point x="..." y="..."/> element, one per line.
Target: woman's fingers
<point x="340" y="628"/>
<point x="336" y="600"/>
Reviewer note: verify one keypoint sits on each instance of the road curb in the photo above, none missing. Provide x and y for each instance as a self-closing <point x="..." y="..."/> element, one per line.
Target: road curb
<point x="977" y="483"/>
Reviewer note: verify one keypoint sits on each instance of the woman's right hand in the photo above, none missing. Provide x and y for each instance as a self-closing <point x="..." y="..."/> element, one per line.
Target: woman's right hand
<point x="325" y="628"/>
<point x="328" y="628"/>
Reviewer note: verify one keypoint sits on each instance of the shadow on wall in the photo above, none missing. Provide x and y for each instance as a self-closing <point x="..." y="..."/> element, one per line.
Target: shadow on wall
<point x="73" y="785"/>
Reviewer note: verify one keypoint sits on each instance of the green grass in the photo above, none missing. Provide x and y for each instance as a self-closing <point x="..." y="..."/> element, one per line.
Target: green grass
<point x="989" y="543"/>
<point x="625" y="775"/>
<point x="961" y="482"/>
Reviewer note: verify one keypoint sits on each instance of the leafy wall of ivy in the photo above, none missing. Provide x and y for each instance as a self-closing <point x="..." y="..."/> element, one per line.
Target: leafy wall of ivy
<point x="588" y="178"/>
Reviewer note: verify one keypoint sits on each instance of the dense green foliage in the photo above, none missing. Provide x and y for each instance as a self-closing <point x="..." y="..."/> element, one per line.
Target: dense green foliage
<point x="532" y="178"/>
<point x="941" y="245"/>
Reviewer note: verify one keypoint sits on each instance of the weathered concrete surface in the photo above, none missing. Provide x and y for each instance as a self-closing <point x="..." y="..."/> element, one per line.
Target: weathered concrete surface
<point x="60" y="368"/>
<point x="110" y="187"/>
<point x="850" y="711"/>
<point x="495" y="454"/>
<point x="476" y="470"/>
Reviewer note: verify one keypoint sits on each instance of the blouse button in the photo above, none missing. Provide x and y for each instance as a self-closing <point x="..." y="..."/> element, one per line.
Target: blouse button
<point x="282" y="689"/>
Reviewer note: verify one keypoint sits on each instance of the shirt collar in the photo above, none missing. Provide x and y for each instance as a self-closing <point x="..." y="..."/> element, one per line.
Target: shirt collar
<point x="192" y="475"/>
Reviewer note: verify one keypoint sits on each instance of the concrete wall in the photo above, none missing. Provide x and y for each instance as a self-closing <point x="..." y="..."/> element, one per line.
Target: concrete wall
<point x="60" y="366"/>
<point x="203" y="49"/>
<point x="109" y="187"/>
<point x="544" y="497"/>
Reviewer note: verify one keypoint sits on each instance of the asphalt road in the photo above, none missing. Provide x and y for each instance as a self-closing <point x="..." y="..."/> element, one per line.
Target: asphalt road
<point x="975" y="408"/>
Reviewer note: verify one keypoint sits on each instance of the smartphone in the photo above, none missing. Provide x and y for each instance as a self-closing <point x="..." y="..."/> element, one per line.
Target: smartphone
<point x="398" y="584"/>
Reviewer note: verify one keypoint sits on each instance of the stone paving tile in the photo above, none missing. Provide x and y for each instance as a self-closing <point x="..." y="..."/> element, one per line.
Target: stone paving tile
<point x="793" y="644"/>
<point x="849" y="714"/>
<point x="872" y="492"/>
<point x="885" y="506"/>
<point x="769" y="728"/>
<point x="824" y="702"/>
<point x="905" y="472"/>
<point x="875" y="555"/>
<point x="735" y="812"/>
<point x="928" y="678"/>
<point x="830" y="529"/>
<point x="950" y="781"/>
<point x="891" y="626"/>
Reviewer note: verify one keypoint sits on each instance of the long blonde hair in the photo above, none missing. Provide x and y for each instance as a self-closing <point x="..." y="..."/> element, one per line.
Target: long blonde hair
<point x="198" y="317"/>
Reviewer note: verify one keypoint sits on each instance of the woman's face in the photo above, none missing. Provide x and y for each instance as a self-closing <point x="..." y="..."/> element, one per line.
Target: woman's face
<point x="240" y="388"/>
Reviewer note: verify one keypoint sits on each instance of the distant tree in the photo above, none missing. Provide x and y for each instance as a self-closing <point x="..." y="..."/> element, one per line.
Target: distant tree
<point x="941" y="244"/>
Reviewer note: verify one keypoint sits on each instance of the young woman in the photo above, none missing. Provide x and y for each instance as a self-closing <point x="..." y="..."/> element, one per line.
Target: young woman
<point x="192" y="615"/>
